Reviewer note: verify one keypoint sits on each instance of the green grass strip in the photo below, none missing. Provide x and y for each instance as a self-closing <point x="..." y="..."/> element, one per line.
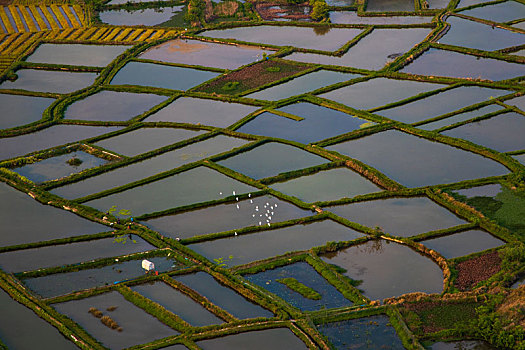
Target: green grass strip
<point x="300" y="288"/>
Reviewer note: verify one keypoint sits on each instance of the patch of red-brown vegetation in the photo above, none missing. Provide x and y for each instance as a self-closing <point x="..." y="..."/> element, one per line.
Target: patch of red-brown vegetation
<point x="434" y="315"/>
<point x="253" y="76"/>
<point x="473" y="271"/>
<point x="275" y="11"/>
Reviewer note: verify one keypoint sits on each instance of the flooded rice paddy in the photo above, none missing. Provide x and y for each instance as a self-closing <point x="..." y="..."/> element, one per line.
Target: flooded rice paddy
<point x="192" y="176"/>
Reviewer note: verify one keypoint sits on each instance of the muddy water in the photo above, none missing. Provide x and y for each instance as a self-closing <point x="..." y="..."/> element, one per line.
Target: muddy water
<point x="277" y="338"/>
<point x="112" y="106"/>
<point x="317" y="123"/>
<point x="21" y="328"/>
<point x="178" y="303"/>
<point x="373" y="332"/>
<point x="138" y="326"/>
<point x="225" y="217"/>
<point x="144" y="140"/>
<point x="161" y="76"/>
<point x="149" y="167"/>
<point x="415" y="162"/>
<point x="305" y="274"/>
<point x="327" y="185"/>
<point x="222" y="296"/>
<point x="463" y="243"/>
<point x="388" y="269"/>
<point x="25" y="220"/>
<point x="399" y="216"/>
<point x="76" y="54"/>
<point x="49" y="81"/>
<point x="193" y="186"/>
<point x="57" y="167"/>
<point x="272" y="158"/>
<point x="56" y="255"/>
<point x="502" y="133"/>
<point x="18" y="110"/>
<point x="202" y="53"/>
<point x="246" y="248"/>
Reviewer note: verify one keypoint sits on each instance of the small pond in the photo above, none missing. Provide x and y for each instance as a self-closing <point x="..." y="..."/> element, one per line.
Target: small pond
<point x="378" y="92"/>
<point x="49" y="81"/>
<point x="317" y="123"/>
<point x="197" y="185"/>
<point x="201" y="111"/>
<point x="463" y="243"/>
<point x="222" y="296"/>
<point x="351" y="17"/>
<point x="366" y="54"/>
<point x="21" y="328"/>
<point x="112" y="106"/>
<point x="388" y="269"/>
<point x="137" y="325"/>
<point x="502" y="12"/>
<point x="149" y="167"/>
<point x="287" y="158"/>
<point x="389" y="5"/>
<point x="330" y="39"/>
<point x="502" y="133"/>
<point x="50" y="137"/>
<point x="59" y="166"/>
<point x="246" y="248"/>
<point x="178" y="303"/>
<point x="415" y="162"/>
<point x="225" y="217"/>
<point x="479" y="36"/>
<point x="441" y="103"/>
<point x="202" y="53"/>
<point x="399" y="216"/>
<point x="276" y="339"/>
<point x="76" y="54"/>
<point x="373" y="332"/>
<point x="444" y="63"/>
<point x="461" y="117"/>
<point x="305" y="274"/>
<point x="18" y="110"/>
<point x="159" y="16"/>
<point x="520" y="158"/>
<point x="68" y="282"/>
<point x="144" y="140"/>
<point x="327" y="185"/>
<point x="65" y="254"/>
<point x="25" y="220"/>
<point x="161" y="76"/>
<point x="302" y="84"/>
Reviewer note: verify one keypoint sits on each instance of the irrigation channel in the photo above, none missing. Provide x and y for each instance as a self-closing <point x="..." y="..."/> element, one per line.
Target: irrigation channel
<point x="262" y="174"/>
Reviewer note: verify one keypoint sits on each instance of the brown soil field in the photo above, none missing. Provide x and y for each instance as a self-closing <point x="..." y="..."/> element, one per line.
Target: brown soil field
<point x="473" y="271"/>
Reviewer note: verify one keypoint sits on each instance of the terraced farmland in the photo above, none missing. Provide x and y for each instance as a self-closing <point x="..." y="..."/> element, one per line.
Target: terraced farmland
<point x="199" y="174"/>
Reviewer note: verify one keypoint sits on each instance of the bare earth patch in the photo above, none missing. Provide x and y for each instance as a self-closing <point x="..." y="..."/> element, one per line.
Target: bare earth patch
<point x="473" y="271"/>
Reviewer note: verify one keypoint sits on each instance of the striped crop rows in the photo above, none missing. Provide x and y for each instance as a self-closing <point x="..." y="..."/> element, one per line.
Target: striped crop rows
<point x="18" y="19"/>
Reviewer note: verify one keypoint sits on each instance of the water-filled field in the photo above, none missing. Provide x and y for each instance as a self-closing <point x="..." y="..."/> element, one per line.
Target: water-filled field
<point x="262" y="174"/>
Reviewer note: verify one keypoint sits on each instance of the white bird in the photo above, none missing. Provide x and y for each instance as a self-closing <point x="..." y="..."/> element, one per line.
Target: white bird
<point x="267" y="203"/>
<point x="269" y="217"/>
<point x="220" y="192"/>
<point x="233" y="193"/>
<point x="260" y="223"/>
<point x="249" y="195"/>
<point x="237" y="206"/>
<point x="251" y="201"/>
<point x="253" y="215"/>
<point x="268" y="224"/>
<point x="237" y="199"/>
<point x="276" y="205"/>
<point x="236" y="233"/>
<point x="272" y="212"/>
<point x="256" y="209"/>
